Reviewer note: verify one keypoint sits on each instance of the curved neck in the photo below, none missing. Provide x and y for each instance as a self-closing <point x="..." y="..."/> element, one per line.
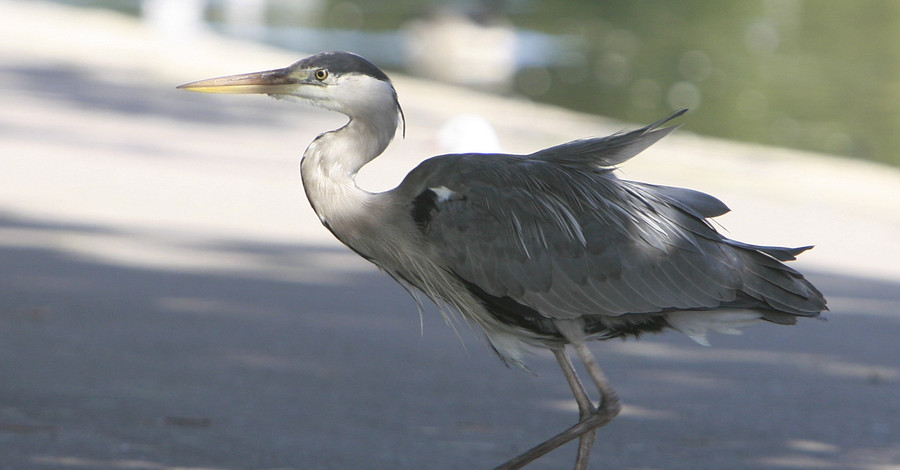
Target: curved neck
<point x="329" y="166"/>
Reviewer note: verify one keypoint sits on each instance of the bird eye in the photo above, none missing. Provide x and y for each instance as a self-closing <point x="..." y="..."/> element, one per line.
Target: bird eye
<point x="321" y="74"/>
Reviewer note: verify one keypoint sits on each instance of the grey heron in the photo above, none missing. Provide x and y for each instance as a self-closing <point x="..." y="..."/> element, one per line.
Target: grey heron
<point x="546" y="250"/>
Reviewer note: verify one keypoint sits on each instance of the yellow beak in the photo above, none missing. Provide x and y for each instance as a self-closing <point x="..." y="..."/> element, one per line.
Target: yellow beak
<point x="272" y="82"/>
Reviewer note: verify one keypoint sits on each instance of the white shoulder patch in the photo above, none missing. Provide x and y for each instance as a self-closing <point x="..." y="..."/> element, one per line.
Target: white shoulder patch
<point x="443" y="193"/>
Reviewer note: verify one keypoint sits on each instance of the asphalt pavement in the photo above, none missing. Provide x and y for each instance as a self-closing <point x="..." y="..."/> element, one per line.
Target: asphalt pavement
<point x="169" y="301"/>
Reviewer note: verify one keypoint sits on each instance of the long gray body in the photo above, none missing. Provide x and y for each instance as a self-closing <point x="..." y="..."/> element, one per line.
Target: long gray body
<point x="515" y="243"/>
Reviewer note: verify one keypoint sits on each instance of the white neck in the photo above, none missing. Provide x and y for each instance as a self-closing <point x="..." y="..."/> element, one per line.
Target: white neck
<point x="328" y="170"/>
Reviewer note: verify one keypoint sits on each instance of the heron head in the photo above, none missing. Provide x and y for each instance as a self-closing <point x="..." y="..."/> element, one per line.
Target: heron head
<point x="338" y="81"/>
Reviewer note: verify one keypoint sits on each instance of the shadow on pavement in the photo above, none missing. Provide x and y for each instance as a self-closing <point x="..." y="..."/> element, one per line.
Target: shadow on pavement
<point x="117" y="365"/>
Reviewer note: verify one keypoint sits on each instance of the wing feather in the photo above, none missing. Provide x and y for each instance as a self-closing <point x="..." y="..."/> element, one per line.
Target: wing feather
<point x="609" y="151"/>
<point x="571" y="242"/>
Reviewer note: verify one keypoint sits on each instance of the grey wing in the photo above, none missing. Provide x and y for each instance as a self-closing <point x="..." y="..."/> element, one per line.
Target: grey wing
<point x="534" y="238"/>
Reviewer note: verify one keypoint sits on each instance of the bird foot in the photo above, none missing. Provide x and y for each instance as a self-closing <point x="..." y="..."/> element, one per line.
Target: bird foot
<point x="588" y="424"/>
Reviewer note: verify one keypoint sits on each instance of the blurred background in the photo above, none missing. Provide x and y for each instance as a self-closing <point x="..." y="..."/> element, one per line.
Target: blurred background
<point x="821" y="76"/>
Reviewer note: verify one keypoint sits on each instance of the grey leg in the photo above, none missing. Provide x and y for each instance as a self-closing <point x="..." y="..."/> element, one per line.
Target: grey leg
<point x="591" y="418"/>
<point x="585" y="407"/>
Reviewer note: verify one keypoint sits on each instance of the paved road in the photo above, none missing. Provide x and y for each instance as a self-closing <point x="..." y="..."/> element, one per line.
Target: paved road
<point x="111" y="366"/>
<point x="168" y="301"/>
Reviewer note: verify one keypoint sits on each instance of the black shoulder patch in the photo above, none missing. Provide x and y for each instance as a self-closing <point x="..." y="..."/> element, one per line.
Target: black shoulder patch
<point x="422" y="206"/>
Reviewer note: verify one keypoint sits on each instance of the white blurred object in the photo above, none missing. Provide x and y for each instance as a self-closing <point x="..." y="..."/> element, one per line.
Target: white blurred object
<point x="174" y="18"/>
<point x="246" y="18"/>
<point x="455" y="49"/>
<point x="468" y="133"/>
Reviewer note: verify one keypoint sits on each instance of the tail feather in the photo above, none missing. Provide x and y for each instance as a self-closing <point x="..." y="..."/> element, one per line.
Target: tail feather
<point x="780" y="287"/>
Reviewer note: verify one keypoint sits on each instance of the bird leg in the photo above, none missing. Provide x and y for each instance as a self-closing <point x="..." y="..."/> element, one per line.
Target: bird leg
<point x="591" y="418"/>
<point x="585" y="407"/>
<point x="609" y="399"/>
